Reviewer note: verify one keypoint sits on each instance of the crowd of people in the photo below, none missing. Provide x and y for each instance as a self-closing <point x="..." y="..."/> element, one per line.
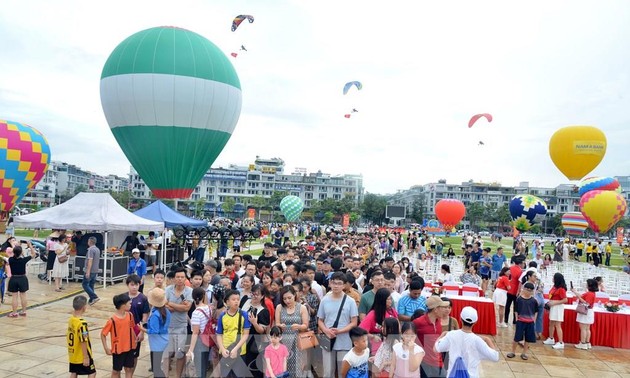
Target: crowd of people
<point x="359" y="295"/>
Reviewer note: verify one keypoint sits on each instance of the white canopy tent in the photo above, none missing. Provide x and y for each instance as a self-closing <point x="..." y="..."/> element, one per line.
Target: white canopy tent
<point x="89" y="211"/>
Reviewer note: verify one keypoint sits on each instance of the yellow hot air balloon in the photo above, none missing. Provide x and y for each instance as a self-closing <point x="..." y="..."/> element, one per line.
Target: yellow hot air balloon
<point x="577" y="150"/>
<point x="602" y="209"/>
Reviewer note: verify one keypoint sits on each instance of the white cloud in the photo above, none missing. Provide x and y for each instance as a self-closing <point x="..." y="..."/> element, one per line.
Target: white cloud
<point x="426" y="68"/>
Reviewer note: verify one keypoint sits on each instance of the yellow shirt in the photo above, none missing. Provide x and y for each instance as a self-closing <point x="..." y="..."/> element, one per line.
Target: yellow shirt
<point x="77" y="333"/>
<point x="608" y="248"/>
<point x="580" y="246"/>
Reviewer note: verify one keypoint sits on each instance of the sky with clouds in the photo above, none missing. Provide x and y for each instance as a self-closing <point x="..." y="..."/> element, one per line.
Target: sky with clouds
<point x="426" y="68"/>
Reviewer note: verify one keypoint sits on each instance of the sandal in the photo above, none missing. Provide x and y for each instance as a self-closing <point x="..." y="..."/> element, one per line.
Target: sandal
<point x="22" y="313"/>
<point x="511" y="355"/>
<point x="524" y="357"/>
<point x="58" y="290"/>
<point x="13" y="315"/>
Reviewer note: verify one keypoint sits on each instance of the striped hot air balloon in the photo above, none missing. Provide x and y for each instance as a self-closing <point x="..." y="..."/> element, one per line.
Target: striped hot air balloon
<point x="574" y="223"/>
<point x="172" y="100"/>
<point x="25" y="155"/>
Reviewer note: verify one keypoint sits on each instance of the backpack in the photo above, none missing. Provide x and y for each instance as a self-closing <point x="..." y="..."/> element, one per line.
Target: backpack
<point x="208" y="335"/>
<point x="459" y="369"/>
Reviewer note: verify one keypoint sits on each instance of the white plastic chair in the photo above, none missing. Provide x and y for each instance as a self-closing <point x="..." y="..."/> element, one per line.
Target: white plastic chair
<point x="601" y="295"/>
<point x="470" y="290"/>
<point x="450" y="289"/>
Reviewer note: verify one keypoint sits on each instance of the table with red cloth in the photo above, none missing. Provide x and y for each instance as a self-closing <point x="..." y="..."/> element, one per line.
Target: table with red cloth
<point x="460" y="288"/>
<point x="486" y="323"/>
<point x="611" y="329"/>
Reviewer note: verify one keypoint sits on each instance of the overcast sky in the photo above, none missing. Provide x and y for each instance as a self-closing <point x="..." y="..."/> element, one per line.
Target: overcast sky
<point x="426" y="68"/>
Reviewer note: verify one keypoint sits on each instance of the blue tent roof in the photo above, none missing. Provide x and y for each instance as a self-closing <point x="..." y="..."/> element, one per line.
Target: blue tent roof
<point x="158" y="211"/>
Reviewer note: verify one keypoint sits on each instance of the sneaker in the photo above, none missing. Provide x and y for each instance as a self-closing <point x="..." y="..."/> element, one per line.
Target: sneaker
<point x="549" y="341"/>
<point x="581" y="346"/>
<point x="588" y="346"/>
<point x="558" y="345"/>
<point x="503" y="325"/>
<point x="92" y="301"/>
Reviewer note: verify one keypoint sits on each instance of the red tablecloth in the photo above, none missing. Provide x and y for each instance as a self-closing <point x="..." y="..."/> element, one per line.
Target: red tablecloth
<point x="487" y="323"/>
<point x="433" y="286"/>
<point x="610" y="329"/>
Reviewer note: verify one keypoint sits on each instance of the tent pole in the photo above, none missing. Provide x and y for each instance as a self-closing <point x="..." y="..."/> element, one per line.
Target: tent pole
<point x="105" y="263"/>
<point x="163" y="257"/>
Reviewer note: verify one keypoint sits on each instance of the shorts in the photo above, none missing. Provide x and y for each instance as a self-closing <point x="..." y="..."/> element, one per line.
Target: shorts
<point x="494" y="274"/>
<point x="236" y="248"/>
<point x="18" y="284"/>
<point x="525" y="331"/>
<point x="125" y="359"/>
<point x="499" y="297"/>
<point x="485" y="277"/>
<point x="150" y="259"/>
<point x="79" y="369"/>
<point x="177" y="341"/>
<point x="50" y="262"/>
<point x="136" y="352"/>
<point x="556" y="313"/>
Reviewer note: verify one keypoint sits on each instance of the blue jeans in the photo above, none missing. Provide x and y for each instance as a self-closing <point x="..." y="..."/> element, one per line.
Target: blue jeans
<point x="199" y="254"/>
<point x="541" y="312"/>
<point x="88" y="285"/>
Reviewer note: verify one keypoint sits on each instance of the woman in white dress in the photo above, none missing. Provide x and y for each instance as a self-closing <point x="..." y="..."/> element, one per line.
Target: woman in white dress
<point x="60" y="269"/>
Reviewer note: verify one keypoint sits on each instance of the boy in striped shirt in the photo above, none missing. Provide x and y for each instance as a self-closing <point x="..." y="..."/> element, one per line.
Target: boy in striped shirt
<point x="525" y="311"/>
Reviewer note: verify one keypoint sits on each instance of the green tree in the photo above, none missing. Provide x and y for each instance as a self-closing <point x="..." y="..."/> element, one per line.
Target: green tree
<point x="80" y="189"/>
<point x="228" y="206"/>
<point x="373" y="208"/>
<point x="417" y="209"/>
<point x="123" y="198"/>
<point x="503" y="216"/>
<point x="354" y="218"/>
<point x="474" y="214"/>
<point x="554" y="224"/>
<point x="328" y="217"/>
<point x="200" y="205"/>
<point x="535" y="229"/>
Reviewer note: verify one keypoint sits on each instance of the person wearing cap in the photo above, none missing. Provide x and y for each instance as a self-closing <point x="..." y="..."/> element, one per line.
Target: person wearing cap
<point x="464" y="344"/>
<point x="526" y="310"/>
<point x="137" y="266"/>
<point x="428" y="329"/>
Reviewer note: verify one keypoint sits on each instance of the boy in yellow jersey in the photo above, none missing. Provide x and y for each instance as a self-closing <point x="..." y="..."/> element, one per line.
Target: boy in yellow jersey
<point x="78" y="339"/>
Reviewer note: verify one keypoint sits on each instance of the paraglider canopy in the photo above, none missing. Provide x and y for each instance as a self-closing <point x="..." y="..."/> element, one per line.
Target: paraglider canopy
<point x="240" y="18"/>
<point x="349" y="85"/>
<point x="477" y="116"/>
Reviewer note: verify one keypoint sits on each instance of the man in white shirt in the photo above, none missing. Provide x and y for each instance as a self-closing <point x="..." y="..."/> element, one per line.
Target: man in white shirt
<point x="465" y="344"/>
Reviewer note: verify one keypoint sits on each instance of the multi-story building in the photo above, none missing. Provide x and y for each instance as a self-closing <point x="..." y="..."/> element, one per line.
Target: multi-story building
<point x="262" y="179"/>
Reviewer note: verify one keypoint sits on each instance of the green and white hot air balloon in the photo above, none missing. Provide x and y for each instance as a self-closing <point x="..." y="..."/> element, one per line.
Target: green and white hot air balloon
<point x="172" y="100"/>
<point x="291" y="207"/>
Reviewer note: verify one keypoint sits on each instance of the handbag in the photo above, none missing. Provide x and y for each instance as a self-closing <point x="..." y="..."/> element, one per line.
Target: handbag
<point x="581" y="308"/>
<point x="62" y="259"/>
<point x="307" y="340"/>
<point x="325" y="342"/>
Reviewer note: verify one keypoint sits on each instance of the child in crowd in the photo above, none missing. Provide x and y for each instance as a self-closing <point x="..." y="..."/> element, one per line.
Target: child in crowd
<point x="158" y="279"/>
<point x="157" y="329"/>
<point x="525" y="309"/>
<point x="276" y="355"/>
<point x="407" y="354"/>
<point x="78" y="339"/>
<point x="384" y="354"/>
<point x="355" y="362"/>
<point x="122" y="328"/>
<point x="500" y="294"/>
<point x="139" y="309"/>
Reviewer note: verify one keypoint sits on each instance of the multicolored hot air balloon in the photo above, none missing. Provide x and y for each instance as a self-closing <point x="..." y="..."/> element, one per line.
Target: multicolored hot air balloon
<point x="602" y="209"/>
<point x="240" y="18"/>
<point x="477" y="116"/>
<point x="350" y="84"/>
<point x="574" y="223"/>
<point x="25" y="156"/>
<point x="577" y="150"/>
<point x="526" y="210"/>
<point x="291" y="207"/>
<point x="172" y="100"/>
<point x="450" y="212"/>
<point x="599" y="183"/>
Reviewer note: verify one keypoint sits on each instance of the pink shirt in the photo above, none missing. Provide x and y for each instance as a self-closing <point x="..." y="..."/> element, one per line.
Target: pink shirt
<point x="369" y="324"/>
<point x="276" y="358"/>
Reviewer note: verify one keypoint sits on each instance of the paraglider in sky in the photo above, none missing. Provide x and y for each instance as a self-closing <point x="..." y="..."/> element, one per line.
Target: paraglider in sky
<point x="350" y="84"/>
<point x="243" y="48"/>
<point x="526" y="210"/>
<point x="347" y="115"/>
<point x="234" y="55"/>
<point x="477" y="116"/>
<point x="25" y="154"/>
<point x="574" y="223"/>
<point x="240" y="18"/>
<point x="450" y="212"/>
<point x="598" y="183"/>
<point x="481" y="143"/>
<point x="172" y="91"/>
<point x="291" y="207"/>
<point x="602" y="209"/>
<point x="577" y="150"/>
<point x="354" y="110"/>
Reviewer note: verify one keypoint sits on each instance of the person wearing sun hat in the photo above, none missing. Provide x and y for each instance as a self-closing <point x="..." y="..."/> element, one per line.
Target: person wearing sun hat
<point x="465" y="347"/>
<point x="428" y="329"/>
<point x="157" y="329"/>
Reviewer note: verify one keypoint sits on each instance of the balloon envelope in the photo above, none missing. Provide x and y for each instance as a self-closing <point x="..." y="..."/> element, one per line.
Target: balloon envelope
<point x="577" y="150"/>
<point x="450" y="212"/>
<point x="526" y="210"/>
<point x="25" y="156"/>
<point x="599" y="183"/>
<point x="172" y="100"/>
<point x="602" y="209"/>
<point x="291" y="207"/>
<point x="574" y="223"/>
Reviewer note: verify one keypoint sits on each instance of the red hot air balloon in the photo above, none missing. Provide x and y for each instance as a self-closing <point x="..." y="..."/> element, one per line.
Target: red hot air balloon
<point x="477" y="116"/>
<point x="450" y="212"/>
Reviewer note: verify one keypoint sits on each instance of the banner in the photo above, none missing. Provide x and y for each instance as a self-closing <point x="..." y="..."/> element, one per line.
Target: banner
<point x="619" y="235"/>
<point x="251" y="213"/>
<point x="345" y="221"/>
